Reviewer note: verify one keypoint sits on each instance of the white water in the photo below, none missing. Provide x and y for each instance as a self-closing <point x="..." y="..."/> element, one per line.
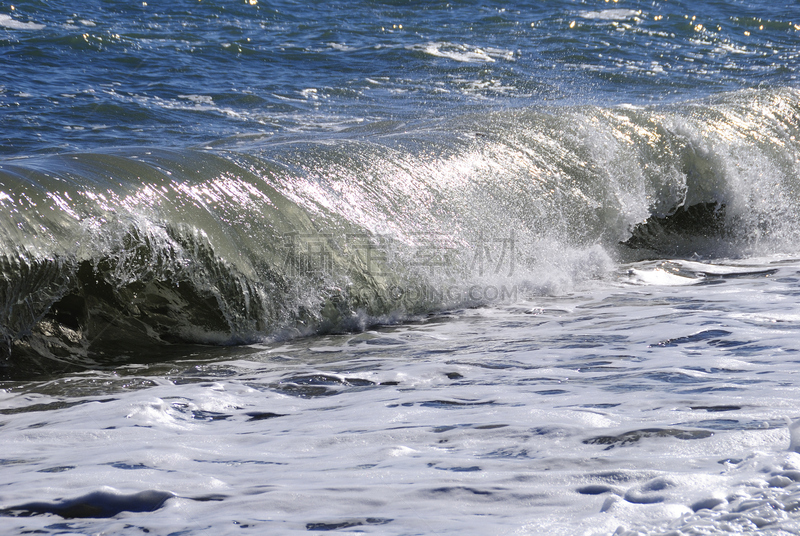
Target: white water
<point x="517" y="419"/>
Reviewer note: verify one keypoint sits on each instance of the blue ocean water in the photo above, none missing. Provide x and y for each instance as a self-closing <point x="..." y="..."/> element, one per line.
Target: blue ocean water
<point x="399" y="267"/>
<point x="104" y="74"/>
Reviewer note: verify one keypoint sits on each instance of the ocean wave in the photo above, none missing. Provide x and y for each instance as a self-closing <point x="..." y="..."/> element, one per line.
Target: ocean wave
<point x="108" y="253"/>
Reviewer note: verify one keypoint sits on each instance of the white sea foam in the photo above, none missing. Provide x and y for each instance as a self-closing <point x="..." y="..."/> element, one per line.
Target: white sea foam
<point x="198" y="99"/>
<point x="464" y="53"/>
<point x="611" y="14"/>
<point x="6" y="21"/>
<point x="627" y="410"/>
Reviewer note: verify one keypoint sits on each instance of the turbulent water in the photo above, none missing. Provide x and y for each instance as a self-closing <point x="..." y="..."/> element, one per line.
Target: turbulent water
<point x="399" y="268"/>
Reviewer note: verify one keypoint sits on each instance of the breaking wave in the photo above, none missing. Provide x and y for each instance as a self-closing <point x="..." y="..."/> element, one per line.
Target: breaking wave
<point x="112" y="254"/>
